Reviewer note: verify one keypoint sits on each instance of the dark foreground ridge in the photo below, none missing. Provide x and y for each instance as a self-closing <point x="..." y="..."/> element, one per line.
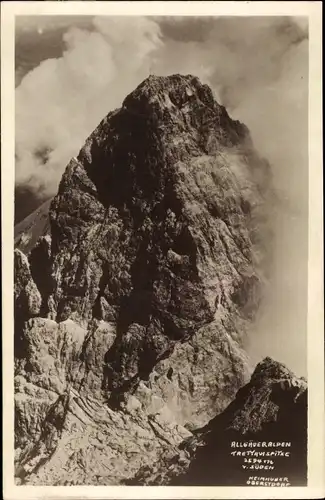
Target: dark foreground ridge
<point x="132" y="307"/>
<point x="267" y="422"/>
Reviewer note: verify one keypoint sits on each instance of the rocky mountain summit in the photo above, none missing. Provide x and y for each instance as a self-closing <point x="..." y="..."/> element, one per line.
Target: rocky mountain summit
<point x="131" y="307"/>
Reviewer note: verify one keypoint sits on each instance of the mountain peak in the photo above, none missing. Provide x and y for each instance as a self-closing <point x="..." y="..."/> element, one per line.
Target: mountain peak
<point x="275" y="371"/>
<point x="180" y="89"/>
<point x="153" y="259"/>
<point x="184" y="103"/>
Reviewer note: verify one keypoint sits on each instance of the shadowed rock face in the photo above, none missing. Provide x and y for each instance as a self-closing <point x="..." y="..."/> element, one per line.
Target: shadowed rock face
<point x="146" y="286"/>
<point x="270" y="409"/>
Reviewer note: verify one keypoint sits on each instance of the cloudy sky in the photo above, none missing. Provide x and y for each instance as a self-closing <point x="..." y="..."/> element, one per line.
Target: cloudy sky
<point x="72" y="70"/>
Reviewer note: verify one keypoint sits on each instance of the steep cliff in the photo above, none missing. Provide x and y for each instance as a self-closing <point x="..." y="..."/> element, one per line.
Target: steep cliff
<point x="131" y="312"/>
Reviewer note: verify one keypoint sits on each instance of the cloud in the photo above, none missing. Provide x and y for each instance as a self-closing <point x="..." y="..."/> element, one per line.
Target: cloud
<point x="61" y="101"/>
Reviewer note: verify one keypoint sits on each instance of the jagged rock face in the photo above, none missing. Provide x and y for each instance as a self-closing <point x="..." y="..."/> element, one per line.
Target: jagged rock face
<point x="198" y="379"/>
<point x="150" y="227"/>
<point x="82" y="441"/>
<point x="27" y="296"/>
<point x="272" y="407"/>
<point x="145" y="288"/>
<point x="27" y="299"/>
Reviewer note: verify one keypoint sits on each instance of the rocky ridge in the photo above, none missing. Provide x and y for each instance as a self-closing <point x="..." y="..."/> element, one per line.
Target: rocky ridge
<point x="130" y="314"/>
<point x="270" y="410"/>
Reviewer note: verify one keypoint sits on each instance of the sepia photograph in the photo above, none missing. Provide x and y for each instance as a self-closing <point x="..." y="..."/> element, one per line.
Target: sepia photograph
<point x="160" y="239"/>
